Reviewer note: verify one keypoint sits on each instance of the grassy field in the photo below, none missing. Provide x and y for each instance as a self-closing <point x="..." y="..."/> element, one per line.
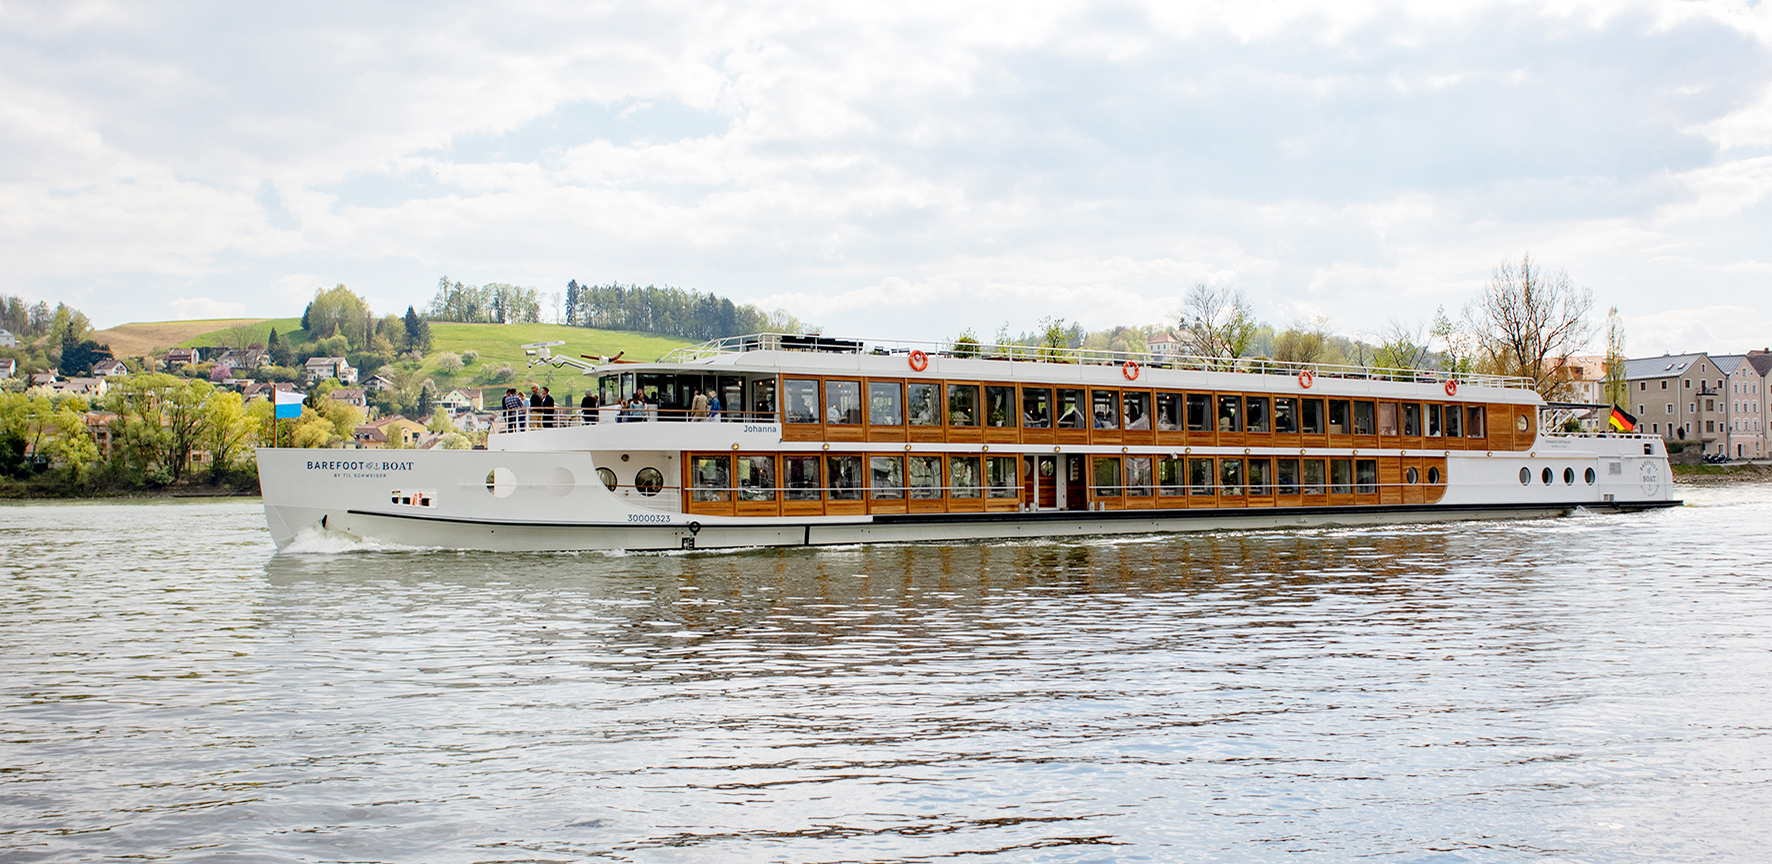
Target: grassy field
<point x="498" y="343"/>
<point x="241" y="334"/>
<point x="131" y="340"/>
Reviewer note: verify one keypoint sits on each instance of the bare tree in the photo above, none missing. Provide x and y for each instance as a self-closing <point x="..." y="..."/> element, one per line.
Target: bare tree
<point x="1218" y="321"/>
<point x="1527" y="322"/>
<point x="1401" y="346"/>
<point x="1616" y="391"/>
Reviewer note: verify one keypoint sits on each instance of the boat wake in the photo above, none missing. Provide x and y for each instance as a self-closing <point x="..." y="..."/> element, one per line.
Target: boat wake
<point x="321" y="541"/>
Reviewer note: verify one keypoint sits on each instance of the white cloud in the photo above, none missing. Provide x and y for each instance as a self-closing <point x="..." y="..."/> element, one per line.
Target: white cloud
<point x="191" y="308"/>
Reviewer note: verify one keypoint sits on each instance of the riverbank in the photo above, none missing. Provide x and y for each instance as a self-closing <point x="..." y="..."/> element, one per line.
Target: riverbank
<point x="1734" y="472"/>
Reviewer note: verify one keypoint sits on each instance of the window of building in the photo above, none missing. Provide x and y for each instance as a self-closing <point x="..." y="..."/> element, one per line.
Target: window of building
<point x="1230" y="413"/>
<point x="1255" y="409"/>
<point x="846" y="477"/>
<point x="1107" y="477"/>
<point x="1138" y="475"/>
<point x="1311" y="476"/>
<point x="963" y="476"/>
<point x="842" y="403"/>
<point x="756" y="478"/>
<point x="1230" y="476"/>
<point x="1199" y="412"/>
<point x="1168" y="412"/>
<point x="887" y="476"/>
<point x="885" y="403"/>
<point x="1001" y="476"/>
<point x="800" y="400"/>
<point x="924" y="402"/>
<point x="1070" y="409"/>
<point x="802" y="478"/>
<point x="1285" y="415"/>
<point x="1365" y="419"/>
<point x="1036" y="407"/>
<point x="925" y="477"/>
<point x="999" y="406"/>
<point x="962" y="404"/>
<point x="1137" y="411"/>
<point x="1286" y="476"/>
<point x="1310" y="416"/>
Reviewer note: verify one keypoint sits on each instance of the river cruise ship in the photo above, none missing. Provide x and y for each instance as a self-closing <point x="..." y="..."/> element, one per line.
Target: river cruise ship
<point x="820" y="440"/>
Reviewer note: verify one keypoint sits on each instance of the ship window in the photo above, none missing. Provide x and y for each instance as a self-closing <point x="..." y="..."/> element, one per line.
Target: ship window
<point x="1137" y="411"/>
<point x="756" y="478"/>
<point x="923" y="402"/>
<point x="1546" y="476"/>
<point x="1256" y="416"/>
<point x="1521" y="424"/>
<point x="1435" y="414"/>
<point x="1103" y="413"/>
<point x="1365" y="421"/>
<point x="1433" y="476"/>
<point x="1525" y="476"/>
<point x="1230" y="476"/>
<point x="1412" y="419"/>
<point x="1568" y="476"/>
<point x="1473" y="425"/>
<point x="962" y="404"/>
<point x="1199" y="476"/>
<point x="802" y="477"/>
<point x="887" y="474"/>
<point x="1311" y="476"/>
<point x="1454" y="421"/>
<point x="1387" y="418"/>
<point x="800" y="400"/>
<point x="1168" y="412"/>
<point x="963" y="477"/>
<point x="1230" y="413"/>
<point x="1591" y="477"/>
<point x="1070" y="409"/>
<point x="1310" y="416"/>
<point x="925" y="476"/>
<point x="842" y="403"/>
<point x="649" y="480"/>
<point x="708" y="478"/>
<point x="999" y="406"/>
<point x="1001" y="476"/>
<point x="1107" y="477"/>
<point x="1286" y="476"/>
<point x="1138" y="475"/>
<point x="1285" y="415"/>
<point x="1036" y="407"/>
<point x="1260" y="473"/>
<point x="1411" y="476"/>
<point x="1199" y="412"/>
<point x="608" y="478"/>
<point x="501" y="482"/>
<point x="846" y="479"/>
<point x="1366" y="474"/>
<point x="885" y="403"/>
<point x="1170" y="479"/>
<point x="1339" y="422"/>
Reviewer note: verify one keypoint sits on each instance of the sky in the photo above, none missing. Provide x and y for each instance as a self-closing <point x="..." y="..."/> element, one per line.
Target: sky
<point x="906" y="170"/>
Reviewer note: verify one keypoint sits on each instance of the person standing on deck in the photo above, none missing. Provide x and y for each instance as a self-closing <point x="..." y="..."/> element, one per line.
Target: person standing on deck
<point x="698" y="409"/>
<point x="534" y="406"/>
<point x="713" y="406"/>
<point x="547" y="408"/>
<point x="588" y="407"/>
<point x="513" y="405"/>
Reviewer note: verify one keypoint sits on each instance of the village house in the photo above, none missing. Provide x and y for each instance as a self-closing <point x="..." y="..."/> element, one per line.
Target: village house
<point x="98" y="423"/>
<point x="244" y="359"/>
<point x="7" y="340"/>
<point x="1164" y="345"/>
<point x="321" y="368"/>
<point x="1744" y="387"/>
<point x="8" y="367"/>
<point x="265" y="389"/>
<point x="87" y="387"/>
<point x="378" y="383"/>
<point x="1586" y="379"/>
<point x="43" y="379"/>
<point x="109" y="368"/>
<point x="180" y="357"/>
<point x="350" y="396"/>
<point x="459" y="401"/>
<point x="376" y="434"/>
<point x="1679" y="397"/>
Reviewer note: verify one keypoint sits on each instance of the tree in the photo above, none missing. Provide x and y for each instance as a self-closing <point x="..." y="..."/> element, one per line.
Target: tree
<point x="1401" y="347"/>
<point x="1054" y="338"/>
<point x="1616" y="389"/>
<point x="227" y="428"/>
<point x="1456" y="353"/>
<point x="1303" y="343"/>
<point x="1218" y="320"/>
<point x="418" y="331"/>
<point x="966" y="344"/>
<point x="1527" y="322"/>
<point x="339" y="312"/>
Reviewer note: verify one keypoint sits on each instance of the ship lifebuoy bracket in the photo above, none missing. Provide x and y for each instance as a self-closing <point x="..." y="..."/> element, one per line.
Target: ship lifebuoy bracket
<point x="919" y="361"/>
<point x="1130" y="370"/>
<point x="1306" y="378"/>
<point x="1451" y="387"/>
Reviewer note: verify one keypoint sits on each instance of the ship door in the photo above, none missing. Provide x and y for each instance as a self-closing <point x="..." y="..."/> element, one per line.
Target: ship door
<point x="1076" y="489"/>
<point x="1040" y="481"/>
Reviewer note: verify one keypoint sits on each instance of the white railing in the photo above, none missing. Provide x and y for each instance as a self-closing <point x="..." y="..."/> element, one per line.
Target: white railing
<point x="1079" y="356"/>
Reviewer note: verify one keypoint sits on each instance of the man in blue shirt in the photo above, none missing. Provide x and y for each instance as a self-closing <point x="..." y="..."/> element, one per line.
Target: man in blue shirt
<point x="513" y="405"/>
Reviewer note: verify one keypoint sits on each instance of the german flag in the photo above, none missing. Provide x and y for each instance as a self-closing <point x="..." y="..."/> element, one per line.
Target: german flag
<point x="1620" y="421"/>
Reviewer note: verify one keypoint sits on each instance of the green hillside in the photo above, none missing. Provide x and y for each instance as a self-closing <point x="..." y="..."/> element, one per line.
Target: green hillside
<point x="247" y="334"/>
<point x="498" y="343"/>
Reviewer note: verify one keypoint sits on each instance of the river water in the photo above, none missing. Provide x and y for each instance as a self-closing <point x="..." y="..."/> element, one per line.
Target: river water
<point x="1585" y="689"/>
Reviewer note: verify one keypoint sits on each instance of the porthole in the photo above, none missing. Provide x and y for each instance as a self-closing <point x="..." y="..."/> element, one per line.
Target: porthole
<point x="1525" y="476"/>
<point x="649" y="481"/>
<point x="1410" y="475"/>
<point x="608" y="478"/>
<point x="560" y="482"/>
<point x="1433" y="476"/>
<point x="1545" y="475"/>
<point x="501" y="482"/>
<point x="1591" y="477"/>
<point x="1520" y="422"/>
<point x="1568" y="476"/>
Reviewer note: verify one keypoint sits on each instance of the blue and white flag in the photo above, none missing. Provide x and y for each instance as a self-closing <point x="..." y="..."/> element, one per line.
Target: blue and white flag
<point x="288" y="404"/>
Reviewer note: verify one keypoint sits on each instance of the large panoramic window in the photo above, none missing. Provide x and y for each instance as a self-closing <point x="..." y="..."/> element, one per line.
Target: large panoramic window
<point x="1199" y="412"/>
<point x="1286" y="415"/>
<point x="1387" y="418"/>
<point x="1199" y="477"/>
<point x="1310" y="416"/>
<point x="1230" y="413"/>
<point x="1002" y="477"/>
<point x="1107" y="477"/>
<point x="800" y="400"/>
<point x="1339" y="421"/>
<point x="1435" y="415"/>
<point x="1138" y="475"/>
<point x="1365" y="423"/>
<point x="1071" y="414"/>
<point x="963" y="477"/>
<point x="1171" y="480"/>
<point x="885" y="403"/>
<point x="1036" y="407"/>
<point x="1311" y="476"/>
<point x="1260" y="475"/>
<point x="1137" y="411"/>
<point x="1411" y="419"/>
<point x="1168" y="412"/>
<point x="887" y="475"/>
<point x="1454" y="421"/>
<point x="846" y="478"/>
<point x="924" y="401"/>
<point x="842" y="403"/>
<point x="1286" y="476"/>
<point x="801" y="473"/>
<point x="756" y="478"/>
<point x="1255" y="414"/>
<point x="925" y="476"/>
<point x="708" y="478"/>
<point x="1230" y="476"/>
<point x="962" y="404"/>
<point x="999" y="406"/>
<point x="1103" y="413"/>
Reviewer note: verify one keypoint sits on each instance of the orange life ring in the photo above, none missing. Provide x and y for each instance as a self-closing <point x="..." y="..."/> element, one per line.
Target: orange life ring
<point x="1451" y="387"/>
<point x="919" y="361"/>
<point x="1305" y="378"/>
<point x="1130" y="370"/>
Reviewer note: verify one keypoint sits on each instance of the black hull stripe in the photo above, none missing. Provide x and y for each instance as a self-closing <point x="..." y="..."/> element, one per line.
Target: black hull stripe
<point x="1065" y="515"/>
